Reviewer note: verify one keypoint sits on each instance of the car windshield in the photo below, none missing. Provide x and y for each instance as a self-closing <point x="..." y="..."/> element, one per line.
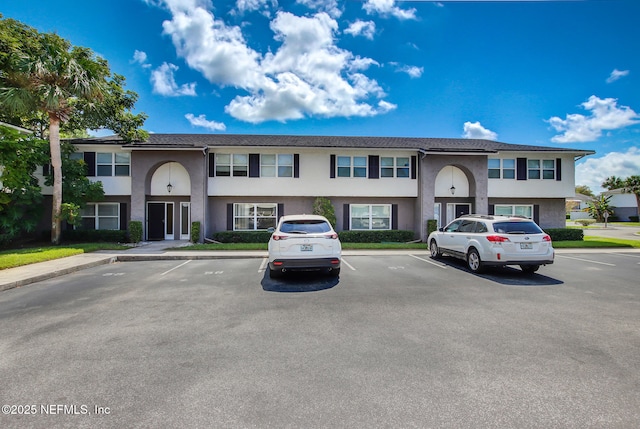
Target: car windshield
<point x="517" y="227"/>
<point x="313" y="226"/>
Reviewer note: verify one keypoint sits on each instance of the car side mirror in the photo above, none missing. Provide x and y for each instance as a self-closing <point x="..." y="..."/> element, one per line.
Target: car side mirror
<point x="441" y="229"/>
<point x="271" y="229"/>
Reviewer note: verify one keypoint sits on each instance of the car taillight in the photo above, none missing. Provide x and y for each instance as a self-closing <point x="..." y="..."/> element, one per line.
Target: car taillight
<point x="333" y="236"/>
<point x="279" y="237"/>
<point x="497" y="238"/>
<point x="546" y="238"/>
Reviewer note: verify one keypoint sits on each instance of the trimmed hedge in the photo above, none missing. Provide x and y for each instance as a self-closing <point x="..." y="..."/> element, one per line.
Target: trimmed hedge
<point x="371" y="236"/>
<point x="565" y="234"/>
<point x="135" y="231"/>
<point x="195" y="231"/>
<point x="95" y="236"/>
<point x="242" y="236"/>
<point x="634" y="218"/>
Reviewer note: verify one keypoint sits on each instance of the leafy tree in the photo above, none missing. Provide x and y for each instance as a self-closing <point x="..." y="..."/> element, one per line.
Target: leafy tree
<point x="584" y="190"/>
<point x="599" y="206"/>
<point x="322" y="206"/>
<point x="632" y="186"/>
<point x="613" y="182"/>
<point x="48" y="85"/>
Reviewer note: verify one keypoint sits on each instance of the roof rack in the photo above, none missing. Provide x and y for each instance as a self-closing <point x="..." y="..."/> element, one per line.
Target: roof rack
<point x="489" y="217"/>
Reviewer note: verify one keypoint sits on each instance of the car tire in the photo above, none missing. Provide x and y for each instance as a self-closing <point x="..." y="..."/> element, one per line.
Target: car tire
<point x="529" y="269"/>
<point x="335" y="272"/>
<point x="474" y="262"/>
<point x="435" y="251"/>
<point x="275" y="274"/>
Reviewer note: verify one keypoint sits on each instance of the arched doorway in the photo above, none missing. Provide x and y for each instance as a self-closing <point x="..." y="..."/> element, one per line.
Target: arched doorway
<point x="452" y="193"/>
<point x="168" y="204"/>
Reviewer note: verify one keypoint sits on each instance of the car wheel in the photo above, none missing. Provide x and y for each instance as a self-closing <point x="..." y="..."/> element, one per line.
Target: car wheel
<point x="335" y="272"/>
<point x="474" y="262"/>
<point x="435" y="251"/>
<point x="275" y="274"/>
<point x="529" y="269"/>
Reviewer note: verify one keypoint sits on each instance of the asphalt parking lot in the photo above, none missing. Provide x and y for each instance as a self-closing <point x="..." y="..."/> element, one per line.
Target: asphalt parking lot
<point x="396" y="341"/>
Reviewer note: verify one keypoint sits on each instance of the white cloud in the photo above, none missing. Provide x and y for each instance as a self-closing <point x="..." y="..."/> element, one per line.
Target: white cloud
<point x="328" y="6"/>
<point x="362" y="28"/>
<point x="617" y="74"/>
<point x="388" y="8"/>
<point x="605" y="115"/>
<point x="593" y="171"/>
<point x="475" y="130"/>
<point x="201" y="121"/>
<point x="140" y="57"/>
<point x="165" y="84"/>
<point x="412" y="71"/>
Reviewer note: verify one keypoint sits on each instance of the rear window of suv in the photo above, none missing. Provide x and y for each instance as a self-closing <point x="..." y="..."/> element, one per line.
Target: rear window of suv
<point x="517" y="227"/>
<point x="305" y="227"/>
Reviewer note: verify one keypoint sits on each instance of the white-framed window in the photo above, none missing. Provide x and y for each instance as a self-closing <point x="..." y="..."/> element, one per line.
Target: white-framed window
<point x="541" y="169"/>
<point x="395" y="167"/>
<point x="352" y="166"/>
<point x="502" y="168"/>
<point x="101" y="216"/>
<point x="228" y="164"/>
<point x="113" y="164"/>
<point x="254" y="216"/>
<point x="370" y="216"/>
<point x="280" y="165"/>
<point x="513" y="210"/>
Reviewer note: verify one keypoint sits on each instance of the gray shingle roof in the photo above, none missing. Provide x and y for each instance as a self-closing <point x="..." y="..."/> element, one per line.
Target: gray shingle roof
<point x="193" y="141"/>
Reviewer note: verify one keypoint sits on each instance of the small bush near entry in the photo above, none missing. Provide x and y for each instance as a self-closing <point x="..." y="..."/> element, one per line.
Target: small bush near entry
<point x="135" y="231"/>
<point x="565" y="234"/>
<point x="370" y="236"/>
<point x="432" y="225"/>
<point x="195" y="231"/>
<point x="586" y="222"/>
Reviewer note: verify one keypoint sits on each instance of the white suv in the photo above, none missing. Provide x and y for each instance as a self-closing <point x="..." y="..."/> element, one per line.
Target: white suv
<point x="304" y="242"/>
<point x="493" y="241"/>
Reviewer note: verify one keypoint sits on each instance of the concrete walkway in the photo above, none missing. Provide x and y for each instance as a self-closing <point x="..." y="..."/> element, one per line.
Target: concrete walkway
<point x="165" y="250"/>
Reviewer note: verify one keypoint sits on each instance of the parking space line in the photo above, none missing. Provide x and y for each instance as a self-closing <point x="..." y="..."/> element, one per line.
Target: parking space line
<point x="586" y="260"/>
<point x="175" y="268"/>
<point x="263" y="265"/>
<point x="444" y="267"/>
<point x="348" y="264"/>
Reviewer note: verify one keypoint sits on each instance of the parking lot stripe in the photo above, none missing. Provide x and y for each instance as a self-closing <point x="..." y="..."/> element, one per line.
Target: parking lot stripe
<point x="586" y="260"/>
<point x="430" y="262"/>
<point x="263" y="265"/>
<point x="348" y="265"/>
<point x="175" y="268"/>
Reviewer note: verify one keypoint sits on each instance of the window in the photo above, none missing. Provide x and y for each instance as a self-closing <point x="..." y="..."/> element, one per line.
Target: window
<point x="502" y="168"/>
<point x="394" y="167"/>
<point x="513" y="210"/>
<point x="370" y="216"/>
<point x="101" y="216"/>
<point x="541" y="169"/>
<point x="113" y="164"/>
<point x="352" y="166"/>
<point x="280" y="165"/>
<point x="236" y="165"/>
<point x="251" y="217"/>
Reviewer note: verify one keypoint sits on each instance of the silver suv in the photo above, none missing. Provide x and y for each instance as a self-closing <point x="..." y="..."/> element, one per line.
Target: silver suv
<point x="484" y="241"/>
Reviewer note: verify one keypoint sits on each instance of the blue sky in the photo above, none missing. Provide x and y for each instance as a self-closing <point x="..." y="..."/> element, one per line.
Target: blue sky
<point x="554" y="73"/>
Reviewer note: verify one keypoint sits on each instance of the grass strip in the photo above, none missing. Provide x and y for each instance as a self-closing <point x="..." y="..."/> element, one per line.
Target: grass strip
<point x="32" y="255"/>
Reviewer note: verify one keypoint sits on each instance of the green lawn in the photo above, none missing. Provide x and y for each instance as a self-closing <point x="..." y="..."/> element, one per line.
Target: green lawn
<point x="19" y="257"/>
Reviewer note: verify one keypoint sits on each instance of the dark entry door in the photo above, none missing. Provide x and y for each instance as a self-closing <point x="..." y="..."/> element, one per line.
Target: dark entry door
<point x="462" y="209"/>
<point x="156" y="221"/>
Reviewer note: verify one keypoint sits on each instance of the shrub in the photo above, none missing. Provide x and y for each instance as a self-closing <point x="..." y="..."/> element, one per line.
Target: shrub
<point x="634" y="218"/>
<point x="195" y="231"/>
<point x="135" y="231"/>
<point x="94" y="235"/>
<point x="586" y="222"/>
<point x="370" y="236"/>
<point x="565" y="234"/>
<point x="242" y="236"/>
<point x="322" y="206"/>
<point x="432" y="225"/>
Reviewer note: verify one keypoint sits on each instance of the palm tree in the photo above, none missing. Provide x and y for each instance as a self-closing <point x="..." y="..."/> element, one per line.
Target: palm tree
<point x="53" y="82"/>
<point x="632" y="185"/>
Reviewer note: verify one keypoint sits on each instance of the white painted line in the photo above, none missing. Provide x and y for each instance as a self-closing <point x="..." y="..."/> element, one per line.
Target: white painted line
<point x="625" y="255"/>
<point x="348" y="265"/>
<point x="444" y="267"/>
<point x="175" y="268"/>
<point x="263" y="265"/>
<point x="586" y="260"/>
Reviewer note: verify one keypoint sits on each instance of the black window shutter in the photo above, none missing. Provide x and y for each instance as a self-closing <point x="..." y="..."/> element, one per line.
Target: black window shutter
<point x="492" y="209"/>
<point x="414" y="167"/>
<point x="254" y="165"/>
<point x="332" y="166"/>
<point x="345" y="217"/>
<point x="374" y="167"/>
<point x="558" y="169"/>
<point x="280" y="210"/>
<point x="123" y="216"/>
<point x="296" y="165"/>
<point x="212" y="165"/>
<point x="521" y="169"/>
<point x="536" y="213"/>
<point x="229" y="217"/>
<point x="46" y="169"/>
<point x="394" y="216"/>
<point x="90" y="160"/>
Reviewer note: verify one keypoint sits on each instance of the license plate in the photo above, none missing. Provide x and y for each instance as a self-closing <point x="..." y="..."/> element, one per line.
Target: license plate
<point x="306" y="247"/>
<point x="526" y="246"/>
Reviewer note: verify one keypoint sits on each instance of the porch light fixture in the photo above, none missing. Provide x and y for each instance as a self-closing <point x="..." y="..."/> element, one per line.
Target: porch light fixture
<point x="452" y="188"/>
<point x="169" y="187"/>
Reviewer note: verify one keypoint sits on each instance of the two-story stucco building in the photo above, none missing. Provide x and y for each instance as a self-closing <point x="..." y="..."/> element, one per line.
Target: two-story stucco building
<point x="245" y="182"/>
